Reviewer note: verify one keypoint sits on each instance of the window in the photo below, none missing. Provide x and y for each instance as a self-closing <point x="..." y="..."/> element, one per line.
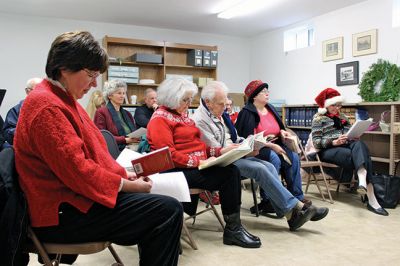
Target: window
<point x="297" y="38"/>
<point x="396" y="13"/>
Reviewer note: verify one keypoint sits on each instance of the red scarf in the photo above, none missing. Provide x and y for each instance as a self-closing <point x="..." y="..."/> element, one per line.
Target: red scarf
<point x="338" y="123"/>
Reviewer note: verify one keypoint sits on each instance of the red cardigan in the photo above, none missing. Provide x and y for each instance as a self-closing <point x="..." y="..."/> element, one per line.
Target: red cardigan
<point x="61" y="156"/>
<point x="180" y="134"/>
<point x="103" y="120"/>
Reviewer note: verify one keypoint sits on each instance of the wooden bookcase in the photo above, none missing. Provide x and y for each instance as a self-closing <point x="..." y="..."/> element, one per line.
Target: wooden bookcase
<point x="384" y="147"/>
<point x="174" y="62"/>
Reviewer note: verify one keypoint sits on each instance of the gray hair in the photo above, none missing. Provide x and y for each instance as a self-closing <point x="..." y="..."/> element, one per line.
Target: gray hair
<point x="147" y="91"/>
<point x="170" y="93"/>
<point x="31" y="83"/>
<point x="112" y="86"/>
<point x="208" y="92"/>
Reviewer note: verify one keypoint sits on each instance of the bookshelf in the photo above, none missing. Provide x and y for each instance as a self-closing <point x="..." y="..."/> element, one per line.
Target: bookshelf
<point x="174" y="61"/>
<point x="384" y="147"/>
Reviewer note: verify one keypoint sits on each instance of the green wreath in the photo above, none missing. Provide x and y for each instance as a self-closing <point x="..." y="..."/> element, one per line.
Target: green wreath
<point x="383" y="71"/>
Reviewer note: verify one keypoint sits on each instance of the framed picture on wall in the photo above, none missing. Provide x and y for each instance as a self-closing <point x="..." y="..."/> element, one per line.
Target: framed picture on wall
<point x="332" y="49"/>
<point x="365" y="43"/>
<point x="347" y="73"/>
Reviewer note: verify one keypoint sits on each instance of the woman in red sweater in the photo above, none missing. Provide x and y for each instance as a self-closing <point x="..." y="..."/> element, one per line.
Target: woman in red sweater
<point x="70" y="181"/>
<point x="170" y="126"/>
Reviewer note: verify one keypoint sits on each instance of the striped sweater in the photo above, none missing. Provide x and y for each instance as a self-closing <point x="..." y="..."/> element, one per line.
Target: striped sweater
<point x="324" y="133"/>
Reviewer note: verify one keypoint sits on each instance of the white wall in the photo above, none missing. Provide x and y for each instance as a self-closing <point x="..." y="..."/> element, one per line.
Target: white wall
<point x="300" y="75"/>
<point x="26" y="40"/>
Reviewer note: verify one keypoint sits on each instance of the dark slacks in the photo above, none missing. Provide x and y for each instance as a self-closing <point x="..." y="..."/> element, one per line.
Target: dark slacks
<point x="154" y="222"/>
<point x="350" y="157"/>
<point x="224" y="179"/>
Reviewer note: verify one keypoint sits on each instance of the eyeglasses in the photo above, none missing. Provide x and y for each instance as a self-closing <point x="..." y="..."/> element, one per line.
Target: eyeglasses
<point x="265" y="91"/>
<point x="91" y="74"/>
<point x="188" y="100"/>
<point x="338" y="105"/>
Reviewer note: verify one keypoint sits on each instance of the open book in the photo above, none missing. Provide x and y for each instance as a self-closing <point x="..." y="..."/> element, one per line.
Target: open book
<point x="358" y="128"/>
<point x="137" y="133"/>
<point x="246" y="147"/>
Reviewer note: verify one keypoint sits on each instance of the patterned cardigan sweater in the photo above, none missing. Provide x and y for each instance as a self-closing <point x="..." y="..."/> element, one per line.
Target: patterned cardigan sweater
<point x="324" y="133"/>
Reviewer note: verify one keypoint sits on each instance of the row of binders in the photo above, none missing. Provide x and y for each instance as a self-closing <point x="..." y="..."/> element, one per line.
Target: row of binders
<point x="300" y="116"/>
<point x="303" y="136"/>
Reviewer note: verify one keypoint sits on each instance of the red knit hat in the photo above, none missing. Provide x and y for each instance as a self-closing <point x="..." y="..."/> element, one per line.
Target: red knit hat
<point x="254" y="87"/>
<point x="327" y="97"/>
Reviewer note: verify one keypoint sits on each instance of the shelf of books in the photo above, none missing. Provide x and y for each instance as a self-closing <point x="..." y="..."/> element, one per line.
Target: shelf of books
<point x="383" y="138"/>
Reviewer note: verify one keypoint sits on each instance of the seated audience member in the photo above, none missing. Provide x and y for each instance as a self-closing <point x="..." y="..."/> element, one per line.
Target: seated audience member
<point x="329" y="128"/>
<point x="11" y="121"/>
<point x="70" y="181"/>
<point x="260" y="116"/>
<point x="96" y="101"/>
<point x="229" y="109"/>
<point x="170" y="126"/>
<point x="113" y="117"/>
<point x="218" y="132"/>
<point x="144" y="113"/>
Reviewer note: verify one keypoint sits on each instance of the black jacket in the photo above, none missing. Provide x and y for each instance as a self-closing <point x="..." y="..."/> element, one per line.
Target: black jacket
<point x="13" y="213"/>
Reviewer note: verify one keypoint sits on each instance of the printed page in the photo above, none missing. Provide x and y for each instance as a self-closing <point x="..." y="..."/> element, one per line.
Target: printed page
<point x="126" y="156"/>
<point x="171" y="184"/>
<point x="359" y="127"/>
<point x="138" y="133"/>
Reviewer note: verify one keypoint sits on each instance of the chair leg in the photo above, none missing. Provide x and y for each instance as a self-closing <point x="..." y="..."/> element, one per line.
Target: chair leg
<point x="191" y="241"/>
<point x="308" y="182"/>
<point x="42" y="252"/>
<point x="326" y="185"/>
<point x="215" y="211"/>
<point x="115" y="255"/>
<point x="254" y="197"/>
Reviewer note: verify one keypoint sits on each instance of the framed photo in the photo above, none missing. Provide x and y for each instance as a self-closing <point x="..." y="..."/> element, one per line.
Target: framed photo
<point x="365" y="43"/>
<point x="332" y="49"/>
<point x="347" y="73"/>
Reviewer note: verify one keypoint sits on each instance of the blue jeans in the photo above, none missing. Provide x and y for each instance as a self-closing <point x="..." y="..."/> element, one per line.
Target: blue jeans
<point x="266" y="176"/>
<point x="292" y="175"/>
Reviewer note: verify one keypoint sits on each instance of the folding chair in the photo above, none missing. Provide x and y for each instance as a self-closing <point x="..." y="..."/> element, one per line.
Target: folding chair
<point x="309" y="164"/>
<point x="211" y="207"/>
<point x="44" y="249"/>
<point x="111" y="143"/>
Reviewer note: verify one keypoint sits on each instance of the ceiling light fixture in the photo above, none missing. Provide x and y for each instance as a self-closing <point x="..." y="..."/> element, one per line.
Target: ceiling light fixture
<point x="246" y="7"/>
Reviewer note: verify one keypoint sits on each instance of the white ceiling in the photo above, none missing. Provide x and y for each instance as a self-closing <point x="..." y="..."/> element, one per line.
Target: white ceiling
<point x="189" y="15"/>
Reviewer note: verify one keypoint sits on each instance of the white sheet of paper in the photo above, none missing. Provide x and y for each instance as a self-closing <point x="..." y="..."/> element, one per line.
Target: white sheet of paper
<point x="171" y="184"/>
<point x="359" y="127"/>
<point x="126" y="156"/>
<point x="138" y="133"/>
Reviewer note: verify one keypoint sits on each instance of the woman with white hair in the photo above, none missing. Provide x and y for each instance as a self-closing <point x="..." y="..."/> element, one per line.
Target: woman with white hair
<point x="170" y="126"/>
<point x="113" y="117"/>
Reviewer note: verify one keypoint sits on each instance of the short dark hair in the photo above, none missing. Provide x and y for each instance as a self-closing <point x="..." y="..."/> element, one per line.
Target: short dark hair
<point x="74" y="51"/>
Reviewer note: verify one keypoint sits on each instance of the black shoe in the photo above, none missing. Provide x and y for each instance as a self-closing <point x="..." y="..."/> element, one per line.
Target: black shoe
<point x="301" y="217"/>
<point x="239" y="238"/>
<point x="361" y="189"/>
<point x="255" y="238"/>
<point x="380" y="211"/>
<point x="263" y="206"/>
<point x="307" y="203"/>
<point x="320" y="214"/>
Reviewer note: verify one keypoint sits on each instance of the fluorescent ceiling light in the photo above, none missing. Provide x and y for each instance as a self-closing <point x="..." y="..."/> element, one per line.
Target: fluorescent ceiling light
<point x="247" y="7"/>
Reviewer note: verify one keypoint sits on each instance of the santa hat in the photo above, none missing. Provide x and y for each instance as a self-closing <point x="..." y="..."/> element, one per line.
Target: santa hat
<point x="254" y="87"/>
<point x="327" y="97"/>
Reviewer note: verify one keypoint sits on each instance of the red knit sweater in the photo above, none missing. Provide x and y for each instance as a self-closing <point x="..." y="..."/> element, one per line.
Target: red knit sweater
<point x="180" y="134"/>
<point x="61" y="156"/>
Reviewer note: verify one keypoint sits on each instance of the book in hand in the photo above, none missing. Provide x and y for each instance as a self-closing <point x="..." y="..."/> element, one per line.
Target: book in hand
<point x="358" y="128"/>
<point x="153" y="162"/>
<point x="246" y="147"/>
<point x="137" y="133"/>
